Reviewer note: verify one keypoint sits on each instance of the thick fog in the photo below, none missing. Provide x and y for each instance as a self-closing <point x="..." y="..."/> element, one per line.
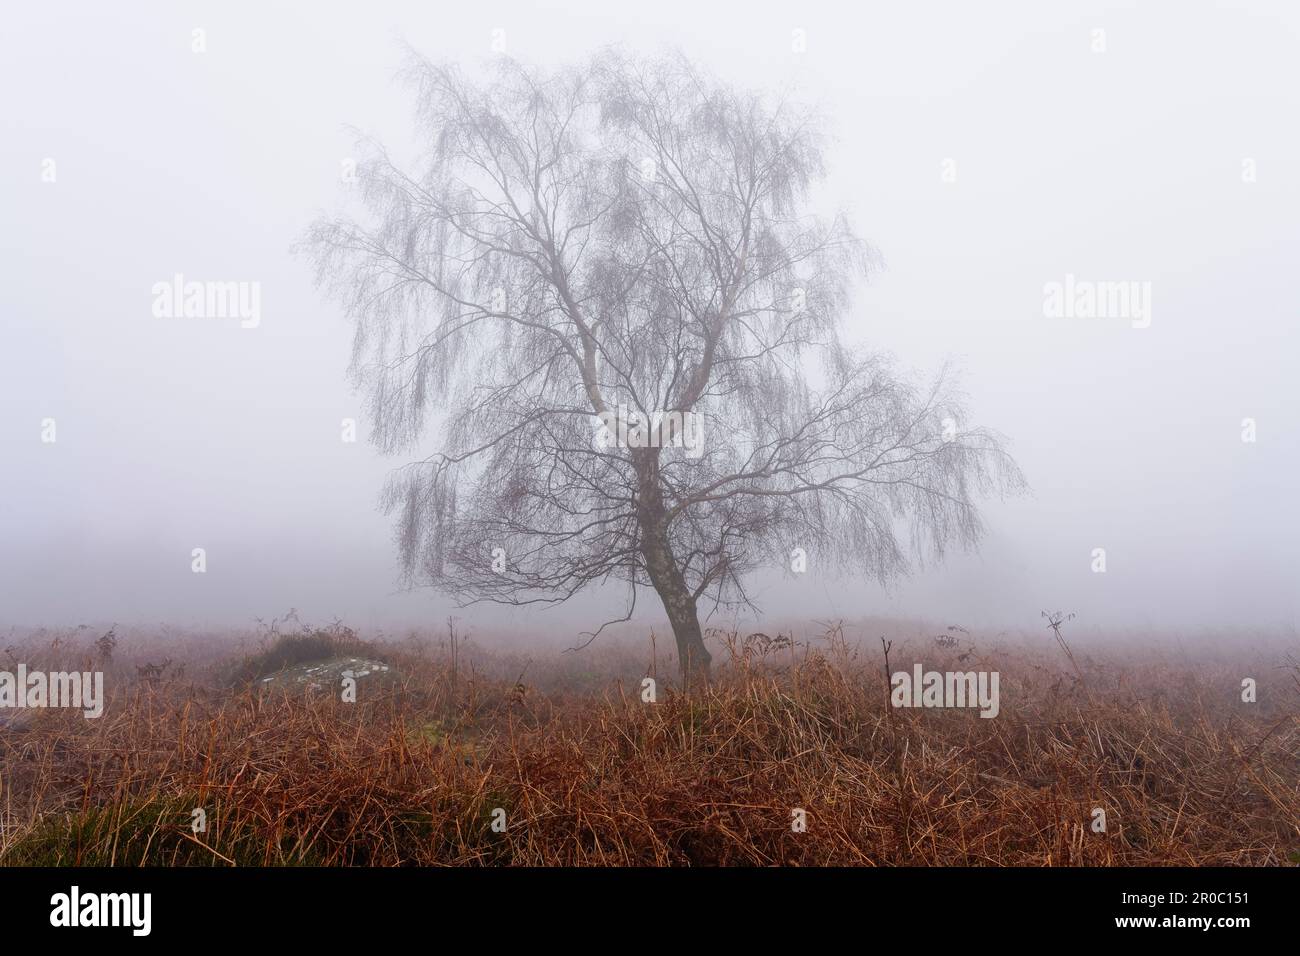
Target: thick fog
<point x="985" y="151"/>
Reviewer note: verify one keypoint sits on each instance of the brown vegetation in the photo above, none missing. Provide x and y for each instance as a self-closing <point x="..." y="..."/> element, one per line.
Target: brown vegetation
<point x="589" y="774"/>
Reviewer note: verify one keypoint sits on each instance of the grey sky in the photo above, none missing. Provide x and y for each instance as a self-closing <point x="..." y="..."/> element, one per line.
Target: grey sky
<point x="176" y="433"/>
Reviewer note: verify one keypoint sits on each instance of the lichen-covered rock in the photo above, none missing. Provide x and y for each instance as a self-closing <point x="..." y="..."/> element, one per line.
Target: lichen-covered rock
<point x="328" y="675"/>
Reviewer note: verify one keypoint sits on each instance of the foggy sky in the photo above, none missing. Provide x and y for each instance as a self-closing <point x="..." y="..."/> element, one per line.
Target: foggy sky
<point x="1124" y="165"/>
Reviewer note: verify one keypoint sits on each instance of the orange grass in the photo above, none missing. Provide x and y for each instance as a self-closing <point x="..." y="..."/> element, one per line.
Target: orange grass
<point x="588" y="774"/>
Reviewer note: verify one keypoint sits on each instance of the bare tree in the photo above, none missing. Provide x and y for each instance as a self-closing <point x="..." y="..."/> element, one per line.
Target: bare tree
<point x="606" y="281"/>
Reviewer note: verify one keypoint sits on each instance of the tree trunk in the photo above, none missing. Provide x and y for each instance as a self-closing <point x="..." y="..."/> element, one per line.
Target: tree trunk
<point x="665" y="575"/>
<point x="679" y="604"/>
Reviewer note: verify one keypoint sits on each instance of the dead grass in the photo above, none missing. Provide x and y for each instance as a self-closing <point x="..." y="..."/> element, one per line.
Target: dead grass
<point x="1186" y="772"/>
